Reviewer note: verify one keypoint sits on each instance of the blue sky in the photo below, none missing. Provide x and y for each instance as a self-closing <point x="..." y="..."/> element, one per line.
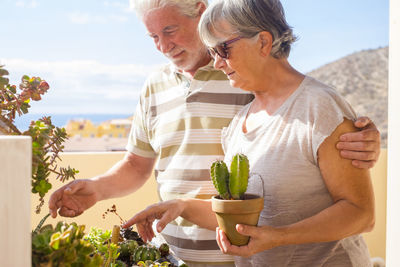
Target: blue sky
<point x="95" y="54"/>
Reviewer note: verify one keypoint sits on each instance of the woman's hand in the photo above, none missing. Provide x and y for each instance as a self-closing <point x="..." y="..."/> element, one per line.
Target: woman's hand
<point x="165" y="212"/>
<point x="261" y="238"/>
<point x="362" y="147"/>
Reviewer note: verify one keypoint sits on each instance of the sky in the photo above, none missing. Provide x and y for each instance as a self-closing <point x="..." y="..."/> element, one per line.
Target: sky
<point x="95" y="54"/>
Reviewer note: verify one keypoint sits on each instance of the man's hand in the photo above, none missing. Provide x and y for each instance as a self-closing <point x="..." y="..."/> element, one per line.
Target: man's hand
<point x="165" y="212"/>
<point x="362" y="147"/>
<point x="73" y="199"/>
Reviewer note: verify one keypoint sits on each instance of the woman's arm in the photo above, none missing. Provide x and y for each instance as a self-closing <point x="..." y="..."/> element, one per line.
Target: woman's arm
<point x="197" y="211"/>
<point x="353" y="210"/>
<point x="351" y="213"/>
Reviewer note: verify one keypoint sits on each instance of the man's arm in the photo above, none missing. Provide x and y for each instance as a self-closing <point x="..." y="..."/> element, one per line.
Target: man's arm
<point x="362" y="147"/>
<point x="125" y="177"/>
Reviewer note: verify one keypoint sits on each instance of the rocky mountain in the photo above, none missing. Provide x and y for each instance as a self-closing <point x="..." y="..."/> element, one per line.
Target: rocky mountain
<point x="362" y="78"/>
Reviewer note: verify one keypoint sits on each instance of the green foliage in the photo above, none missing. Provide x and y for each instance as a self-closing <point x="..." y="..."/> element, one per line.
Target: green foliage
<point x="63" y="246"/>
<point x="231" y="185"/>
<point x="66" y="245"/>
<point x="47" y="139"/>
<point x="150" y="263"/>
<point x="164" y="249"/>
<point x="101" y="241"/>
<point x="127" y="248"/>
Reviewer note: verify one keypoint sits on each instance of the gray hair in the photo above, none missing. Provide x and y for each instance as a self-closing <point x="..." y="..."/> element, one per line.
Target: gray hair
<point x="248" y="18"/>
<point x="187" y="7"/>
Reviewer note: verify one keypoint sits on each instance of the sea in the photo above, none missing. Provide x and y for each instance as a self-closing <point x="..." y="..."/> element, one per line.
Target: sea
<point x="60" y="120"/>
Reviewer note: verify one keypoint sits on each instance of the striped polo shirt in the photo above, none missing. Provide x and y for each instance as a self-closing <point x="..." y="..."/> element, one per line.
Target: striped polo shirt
<point x="179" y="121"/>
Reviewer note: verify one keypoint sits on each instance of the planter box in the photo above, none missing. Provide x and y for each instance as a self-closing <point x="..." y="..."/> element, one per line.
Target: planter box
<point x="15" y="179"/>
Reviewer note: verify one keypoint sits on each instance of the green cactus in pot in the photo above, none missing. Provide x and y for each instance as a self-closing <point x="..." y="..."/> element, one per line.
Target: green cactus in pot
<point x="231" y="185"/>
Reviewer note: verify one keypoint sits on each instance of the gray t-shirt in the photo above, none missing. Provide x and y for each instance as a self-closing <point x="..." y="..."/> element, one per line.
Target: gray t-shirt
<point x="282" y="150"/>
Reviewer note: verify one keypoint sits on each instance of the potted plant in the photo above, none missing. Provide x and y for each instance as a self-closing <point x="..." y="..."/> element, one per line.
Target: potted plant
<point x="47" y="140"/>
<point x="26" y="160"/>
<point x="233" y="206"/>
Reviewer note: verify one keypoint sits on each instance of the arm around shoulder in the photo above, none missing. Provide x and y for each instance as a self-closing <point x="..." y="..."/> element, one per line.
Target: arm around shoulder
<point x="346" y="182"/>
<point x="353" y="208"/>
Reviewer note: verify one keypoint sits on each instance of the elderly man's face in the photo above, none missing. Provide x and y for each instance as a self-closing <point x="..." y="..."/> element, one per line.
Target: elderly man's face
<point x="175" y="35"/>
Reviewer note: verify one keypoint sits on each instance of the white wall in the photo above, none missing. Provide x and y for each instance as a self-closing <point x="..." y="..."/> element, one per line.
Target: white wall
<point x="15" y="214"/>
<point x="393" y="183"/>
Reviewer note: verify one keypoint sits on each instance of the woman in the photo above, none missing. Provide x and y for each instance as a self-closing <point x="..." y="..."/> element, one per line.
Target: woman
<point x="316" y="203"/>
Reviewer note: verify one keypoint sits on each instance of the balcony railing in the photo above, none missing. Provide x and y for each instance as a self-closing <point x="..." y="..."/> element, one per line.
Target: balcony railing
<point x="15" y="177"/>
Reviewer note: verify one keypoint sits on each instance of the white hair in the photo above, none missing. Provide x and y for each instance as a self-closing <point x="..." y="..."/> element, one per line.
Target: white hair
<point x="189" y="8"/>
<point x="247" y="18"/>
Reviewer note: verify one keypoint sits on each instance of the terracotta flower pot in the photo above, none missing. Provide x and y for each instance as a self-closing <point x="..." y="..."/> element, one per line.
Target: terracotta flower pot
<point x="232" y="212"/>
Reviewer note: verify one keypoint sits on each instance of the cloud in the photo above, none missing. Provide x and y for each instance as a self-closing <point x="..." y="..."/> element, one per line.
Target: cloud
<point x="78" y="17"/>
<point x="83" y="86"/>
<point x="124" y="6"/>
<point x="27" y="4"/>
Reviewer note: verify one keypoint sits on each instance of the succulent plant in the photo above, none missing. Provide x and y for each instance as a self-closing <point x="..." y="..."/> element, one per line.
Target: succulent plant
<point x="220" y="178"/>
<point x="63" y="246"/>
<point x="239" y="176"/>
<point x="164" y="249"/>
<point x="47" y="140"/>
<point x="231" y="185"/>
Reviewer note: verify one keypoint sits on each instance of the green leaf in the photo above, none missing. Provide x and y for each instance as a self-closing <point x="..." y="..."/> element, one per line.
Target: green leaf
<point x="35" y="145"/>
<point x="13" y="89"/>
<point x="38" y="241"/>
<point x="4" y="81"/>
<point x="43" y="187"/>
<point x="24" y="109"/>
<point x="3" y="72"/>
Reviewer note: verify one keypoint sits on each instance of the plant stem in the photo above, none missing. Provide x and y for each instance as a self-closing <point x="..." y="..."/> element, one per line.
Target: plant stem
<point x="41" y="223"/>
<point x="9" y="124"/>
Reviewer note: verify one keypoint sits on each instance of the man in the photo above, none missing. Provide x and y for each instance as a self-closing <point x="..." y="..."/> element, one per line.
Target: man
<point x="178" y="122"/>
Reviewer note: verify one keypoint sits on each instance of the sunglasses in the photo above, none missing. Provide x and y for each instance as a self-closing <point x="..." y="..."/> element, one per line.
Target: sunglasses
<point x="222" y="49"/>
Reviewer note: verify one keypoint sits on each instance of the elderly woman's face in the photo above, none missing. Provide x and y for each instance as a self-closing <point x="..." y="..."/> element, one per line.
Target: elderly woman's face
<point x="236" y="56"/>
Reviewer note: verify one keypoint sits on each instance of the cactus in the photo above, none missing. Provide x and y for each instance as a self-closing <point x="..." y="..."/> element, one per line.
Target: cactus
<point x="239" y="176"/>
<point x="144" y="253"/>
<point x="220" y="178"/>
<point x="231" y="185"/>
<point x="164" y="249"/>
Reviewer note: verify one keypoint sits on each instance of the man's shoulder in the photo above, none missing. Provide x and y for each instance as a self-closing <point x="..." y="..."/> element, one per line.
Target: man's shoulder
<point x="161" y="73"/>
<point x="209" y="73"/>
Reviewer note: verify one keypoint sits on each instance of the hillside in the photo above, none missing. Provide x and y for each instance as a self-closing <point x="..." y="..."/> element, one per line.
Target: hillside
<point x="362" y="78"/>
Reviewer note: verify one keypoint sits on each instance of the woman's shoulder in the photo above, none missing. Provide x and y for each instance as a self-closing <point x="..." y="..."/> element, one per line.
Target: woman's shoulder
<point x="316" y="89"/>
<point x="321" y="97"/>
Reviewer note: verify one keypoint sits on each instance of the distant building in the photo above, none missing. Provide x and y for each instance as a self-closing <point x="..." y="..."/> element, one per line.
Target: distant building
<point x="115" y="128"/>
<point x="82" y="128"/>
